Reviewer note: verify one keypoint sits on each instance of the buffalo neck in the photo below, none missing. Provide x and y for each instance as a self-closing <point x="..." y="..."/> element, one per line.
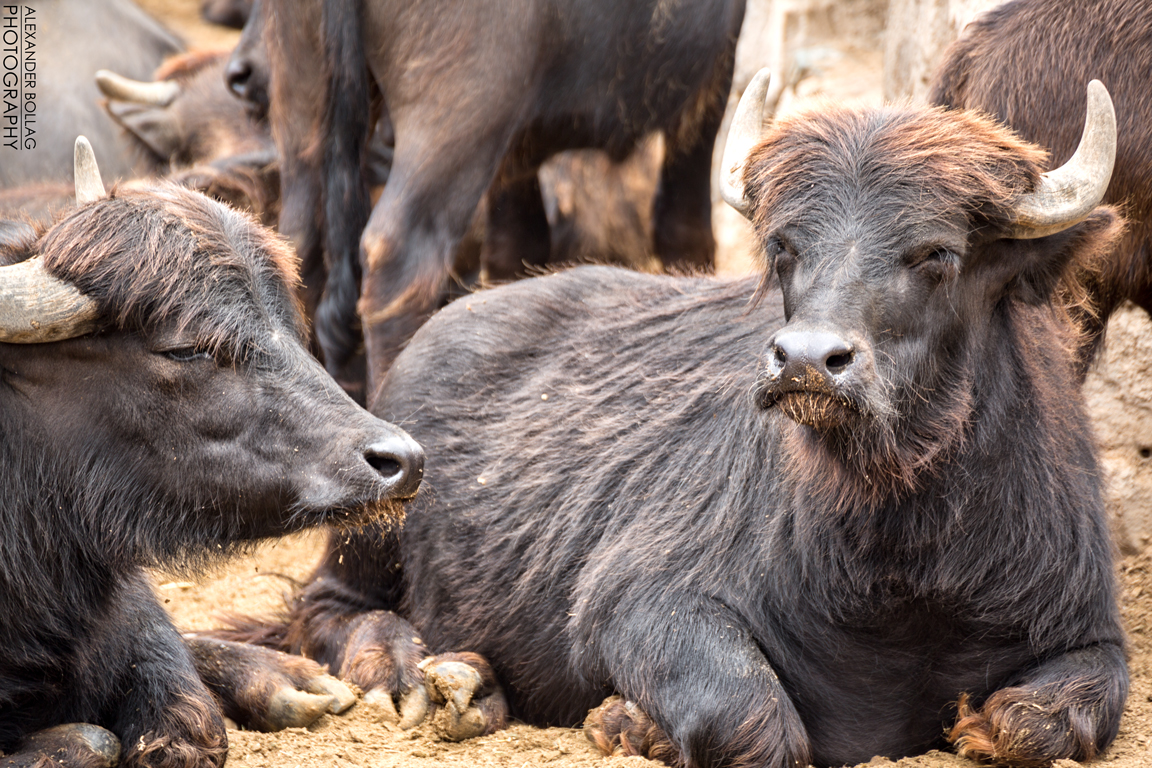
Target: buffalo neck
<point x="1010" y="490"/>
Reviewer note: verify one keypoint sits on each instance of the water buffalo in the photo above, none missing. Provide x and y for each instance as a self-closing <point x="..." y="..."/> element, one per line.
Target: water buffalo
<point x="73" y="39"/>
<point x="159" y="409"/>
<point x="1025" y="62"/>
<point x="188" y="126"/>
<point x="478" y="99"/>
<point x="839" y="518"/>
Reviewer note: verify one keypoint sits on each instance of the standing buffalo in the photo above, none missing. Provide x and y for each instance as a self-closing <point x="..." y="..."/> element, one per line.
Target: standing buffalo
<point x="1025" y="63"/>
<point x="819" y="524"/>
<point x="479" y="96"/>
<point x="159" y="409"/>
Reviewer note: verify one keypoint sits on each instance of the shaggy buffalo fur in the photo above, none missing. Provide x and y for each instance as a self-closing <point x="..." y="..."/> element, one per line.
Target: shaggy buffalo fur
<point x="1026" y="63"/>
<point x="478" y="100"/>
<point x="621" y="499"/>
<point x="192" y="422"/>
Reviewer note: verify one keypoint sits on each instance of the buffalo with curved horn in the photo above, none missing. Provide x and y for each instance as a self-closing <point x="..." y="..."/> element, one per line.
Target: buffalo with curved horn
<point x="1024" y="62"/>
<point x="858" y="515"/>
<point x="159" y="408"/>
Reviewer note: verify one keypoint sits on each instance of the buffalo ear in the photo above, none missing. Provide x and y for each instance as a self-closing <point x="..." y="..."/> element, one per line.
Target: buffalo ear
<point x="1033" y="268"/>
<point x="153" y="126"/>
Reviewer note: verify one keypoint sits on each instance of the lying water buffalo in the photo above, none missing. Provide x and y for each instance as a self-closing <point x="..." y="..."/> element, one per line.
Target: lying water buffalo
<point x="1025" y="62"/>
<point x="159" y="409"/>
<point x="837" y="520"/>
<point x="478" y="99"/>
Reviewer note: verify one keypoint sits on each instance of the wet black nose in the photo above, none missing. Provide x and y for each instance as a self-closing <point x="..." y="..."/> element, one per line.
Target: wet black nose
<point x="400" y="461"/>
<point x="810" y="359"/>
<point x="238" y="75"/>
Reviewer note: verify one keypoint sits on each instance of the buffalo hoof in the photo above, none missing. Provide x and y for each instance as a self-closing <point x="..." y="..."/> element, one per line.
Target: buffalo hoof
<point x="408" y="712"/>
<point x="382" y="657"/>
<point x="77" y="745"/>
<point x="468" y="701"/>
<point x="267" y="690"/>
<point x="459" y="698"/>
<point x="292" y="708"/>
<point x="1022" y="728"/>
<point x="619" y="727"/>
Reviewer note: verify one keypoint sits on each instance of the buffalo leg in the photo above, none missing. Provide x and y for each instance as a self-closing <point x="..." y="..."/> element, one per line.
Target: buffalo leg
<point x="379" y="652"/>
<point x="382" y="653"/>
<point x="709" y="690"/>
<point x="75" y="745"/>
<point x="1066" y="708"/>
<point x="408" y="247"/>
<point x="165" y="717"/>
<point x="682" y="211"/>
<point x="265" y="689"/>
<point x="342" y="619"/>
<point x="518" y="236"/>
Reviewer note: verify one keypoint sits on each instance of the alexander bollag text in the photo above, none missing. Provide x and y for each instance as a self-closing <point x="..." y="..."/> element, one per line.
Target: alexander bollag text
<point x="18" y="68"/>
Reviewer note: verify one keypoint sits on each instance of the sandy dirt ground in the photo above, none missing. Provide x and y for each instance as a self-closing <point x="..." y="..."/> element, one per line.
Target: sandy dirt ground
<point x="847" y="68"/>
<point x="257" y="585"/>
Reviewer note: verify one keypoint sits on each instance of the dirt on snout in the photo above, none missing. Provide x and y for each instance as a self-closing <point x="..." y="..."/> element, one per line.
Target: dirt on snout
<point x="362" y="737"/>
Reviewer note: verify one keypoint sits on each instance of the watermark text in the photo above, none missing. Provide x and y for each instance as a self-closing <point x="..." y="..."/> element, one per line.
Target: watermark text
<point x="18" y="56"/>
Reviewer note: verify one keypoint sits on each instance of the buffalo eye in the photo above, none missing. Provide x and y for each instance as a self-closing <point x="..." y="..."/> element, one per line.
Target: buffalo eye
<point x="936" y="262"/>
<point x="187" y="354"/>
<point x="780" y="251"/>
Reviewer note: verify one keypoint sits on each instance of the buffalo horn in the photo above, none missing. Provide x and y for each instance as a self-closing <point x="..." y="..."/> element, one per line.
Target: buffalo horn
<point x="36" y="307"/>
<point x="1067" y="194"/>
<point x="157" y="94"/>
<point x="89" y="187"/>
<point x="743" y="135"/>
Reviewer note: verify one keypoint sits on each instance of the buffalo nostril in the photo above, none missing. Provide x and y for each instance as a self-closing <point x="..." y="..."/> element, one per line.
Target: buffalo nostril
<point x="388" y="466"/>
<point x="237" y="76"/>
<point x="837" y="362"/>
<point x="399" y="461"/>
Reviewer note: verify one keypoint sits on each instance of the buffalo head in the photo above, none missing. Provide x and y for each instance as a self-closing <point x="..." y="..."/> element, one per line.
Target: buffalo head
<point x="154" y="365"/>
<point x="902" y="241"/>
<point x="188" y="126"/>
